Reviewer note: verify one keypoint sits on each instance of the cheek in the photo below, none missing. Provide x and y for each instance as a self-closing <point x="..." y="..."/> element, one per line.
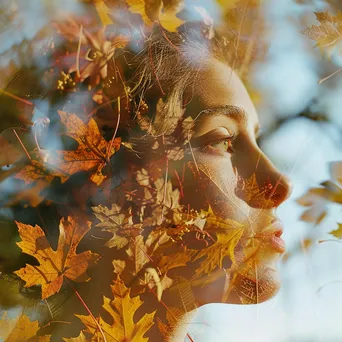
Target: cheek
<point x="218" y="180"/>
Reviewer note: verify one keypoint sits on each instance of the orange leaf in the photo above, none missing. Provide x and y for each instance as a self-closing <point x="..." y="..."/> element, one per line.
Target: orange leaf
<point x="93" y="150"/>
<point x="55" y="265"/>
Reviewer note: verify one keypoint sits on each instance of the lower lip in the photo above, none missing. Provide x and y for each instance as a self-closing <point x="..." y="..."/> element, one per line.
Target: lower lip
<point x="277" y="243"/>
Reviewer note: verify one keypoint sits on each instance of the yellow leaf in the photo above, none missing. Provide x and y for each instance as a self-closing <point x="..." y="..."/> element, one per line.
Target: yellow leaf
<point x="122" y="309"/>
<point x="227" y="4"/>
<point x="79" y="338"/>
<point x="214" y="254"/>
<point x="102" y="11"/>
<point x="154" y="11"/>
<point x="337" y="232"/>
<point x="55" y="265"/>
<point x="22" y="329"/>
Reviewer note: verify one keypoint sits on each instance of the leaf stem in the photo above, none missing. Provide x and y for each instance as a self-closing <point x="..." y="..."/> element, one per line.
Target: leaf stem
<point x="90" y="313"/>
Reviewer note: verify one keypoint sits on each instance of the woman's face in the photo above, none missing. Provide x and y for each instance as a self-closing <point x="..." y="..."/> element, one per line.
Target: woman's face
<point x="238" y="182"/>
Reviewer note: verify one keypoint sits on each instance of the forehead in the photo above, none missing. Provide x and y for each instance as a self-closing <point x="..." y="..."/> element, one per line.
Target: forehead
<point x="216" y="86"/>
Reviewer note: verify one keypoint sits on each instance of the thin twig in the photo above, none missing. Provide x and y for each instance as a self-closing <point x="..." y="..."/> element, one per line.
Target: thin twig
<point x="22" y="145"/>
<point x="90" y="313"/>
<point x="78" y="53"/>
<point x="4" y="92"/>
<point x="116" y="130"/>
<point x="331" y="75"/>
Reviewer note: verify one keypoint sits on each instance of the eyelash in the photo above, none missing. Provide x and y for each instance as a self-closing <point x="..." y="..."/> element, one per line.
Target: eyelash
<point x="211" y="149"/>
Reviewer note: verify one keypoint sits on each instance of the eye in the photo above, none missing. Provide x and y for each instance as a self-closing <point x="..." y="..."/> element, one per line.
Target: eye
<point x="225" y="145"/>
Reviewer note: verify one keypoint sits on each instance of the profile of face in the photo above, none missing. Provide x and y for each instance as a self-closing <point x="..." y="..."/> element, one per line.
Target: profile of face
<point x="235" y="179"/>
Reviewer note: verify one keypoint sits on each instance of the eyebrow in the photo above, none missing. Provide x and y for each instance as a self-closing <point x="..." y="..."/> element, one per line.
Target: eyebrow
<point x="235" y="112"/>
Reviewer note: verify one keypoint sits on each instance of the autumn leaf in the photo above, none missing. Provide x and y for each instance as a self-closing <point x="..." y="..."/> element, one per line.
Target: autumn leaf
<point x="156" y="11"/>
<point x="79" y="338"/>
<point x="317" y="199"/>
<point x="111" y="220"/>
<point x="20" y="329"/>
<point x="338" y="232"/>
<point x="93" y="150"/>
<point x="115" y="221"/>
<point x="227" y="4"/>
<point x="122" y="309"/>
<point x="214" y="254"/>
<point x="329" y="32"/>
<point x="54" y="266"/>
<point x="138" y="255"/>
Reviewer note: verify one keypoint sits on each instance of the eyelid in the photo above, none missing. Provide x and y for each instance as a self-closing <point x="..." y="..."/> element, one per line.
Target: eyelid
<point x="213" y="136"/>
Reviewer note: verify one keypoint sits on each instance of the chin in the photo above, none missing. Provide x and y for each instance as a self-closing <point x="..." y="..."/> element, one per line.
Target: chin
<point x="256" y="280"/>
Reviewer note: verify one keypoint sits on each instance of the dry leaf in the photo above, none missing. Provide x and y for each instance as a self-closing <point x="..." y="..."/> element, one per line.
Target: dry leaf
<point x="122" y="310"/>
<point x="93" y="150"/>
<point x="79" y="338"/>
<point x="214" y="254"/>
<point x="112" y="220"/>
<point x="55" y="265"/>
<point x="337" y="232"/>
<point x="329" y="32"/>
<point x="155" y="11"/>
<point x="22" y="329"/>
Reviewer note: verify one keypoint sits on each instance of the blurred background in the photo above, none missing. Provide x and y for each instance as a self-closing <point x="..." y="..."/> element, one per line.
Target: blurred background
<point x="302" y="134"/>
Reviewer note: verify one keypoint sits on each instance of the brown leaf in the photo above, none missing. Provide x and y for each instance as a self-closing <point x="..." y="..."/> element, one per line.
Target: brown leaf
<point x="55" y="265"/>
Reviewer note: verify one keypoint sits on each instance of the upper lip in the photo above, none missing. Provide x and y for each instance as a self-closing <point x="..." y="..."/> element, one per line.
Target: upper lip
<point x="276" y="228"/>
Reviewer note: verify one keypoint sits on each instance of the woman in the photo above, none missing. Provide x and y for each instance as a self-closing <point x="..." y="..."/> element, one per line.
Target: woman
<point x="187" y="213"/>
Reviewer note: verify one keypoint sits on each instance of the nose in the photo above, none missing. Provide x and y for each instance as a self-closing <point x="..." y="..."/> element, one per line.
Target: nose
<point x="260" y="184"/>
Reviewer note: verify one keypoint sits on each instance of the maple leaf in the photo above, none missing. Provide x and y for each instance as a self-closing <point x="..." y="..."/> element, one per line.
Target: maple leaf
<point x="80" y="338"/>
<point x="115" y="221"/>
<point x="156" y="11"/>
<point x="138" y="254"/>
<point x="329" y="32"/>
<point x="337" y="232"/>
<point x="93" y="150"/>
<point x="37" y="170"/>
<point x="168" y="262"/>
<point x="111" y="220"/>
<point x="122" y="310"/>
<point x="214" y="254"/>
<point x="22" y="329"/>
<point x="55" y="265"/>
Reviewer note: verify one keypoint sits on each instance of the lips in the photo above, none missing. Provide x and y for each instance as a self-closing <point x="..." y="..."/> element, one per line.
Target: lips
<point x="272" y="236"/>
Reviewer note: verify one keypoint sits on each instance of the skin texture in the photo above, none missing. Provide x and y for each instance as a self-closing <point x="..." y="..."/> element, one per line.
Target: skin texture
<point x="222" y="108"/>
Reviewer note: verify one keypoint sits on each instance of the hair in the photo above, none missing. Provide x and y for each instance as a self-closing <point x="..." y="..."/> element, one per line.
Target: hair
<point x="167" y="67"/>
